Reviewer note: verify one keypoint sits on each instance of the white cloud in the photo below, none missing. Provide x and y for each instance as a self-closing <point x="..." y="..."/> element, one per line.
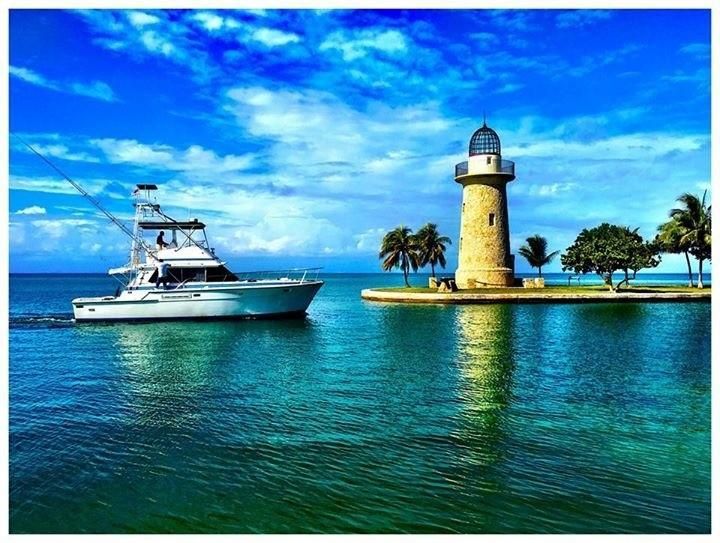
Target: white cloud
<point x="551" y="189"/>
<point x="154" y="35"/>
<point x="229" y="28"/>
<point x="58" y="228"/>
<point x="95" y="89"/>
<point x="581" y="18"/>
<point x="637" y="146"/>
<point x="157" y="43"/>
<point x="360" y="43"/>
<point x="194" y="159"/>
<point x="699" y="50"/>
<point x="46" y="144"/>
<point x="510" y="87"/>
<point x="32" y="210"/>
<point x="54" y="185"/>
<point x="210" y="21"/>
<point x="140" y="19"/>
<point x="274" y="38"/>
<point x="485" y="39"/>
<point x="319" y="135"/>
<point x="369" y="240"/>
<point x="31" y="77"/>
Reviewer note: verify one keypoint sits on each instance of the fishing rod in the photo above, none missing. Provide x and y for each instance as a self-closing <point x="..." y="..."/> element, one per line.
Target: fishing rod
<point x="89" y="196"/>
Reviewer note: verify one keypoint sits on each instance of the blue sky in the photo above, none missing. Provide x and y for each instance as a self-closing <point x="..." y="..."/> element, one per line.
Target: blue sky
<point x="301" y="136"/>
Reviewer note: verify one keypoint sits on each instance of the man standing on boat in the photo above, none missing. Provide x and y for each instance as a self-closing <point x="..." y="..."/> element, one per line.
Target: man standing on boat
<point x="162" y="273"/>
<point x="160" y="241"/>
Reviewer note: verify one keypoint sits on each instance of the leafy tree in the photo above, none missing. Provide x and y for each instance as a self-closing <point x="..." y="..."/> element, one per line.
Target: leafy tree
<point x="671" y="238"/>
<point x="695" y="218"/>
<point x="608" y="248"/>
<point x="399" y="249"/>
<point x="535" y="252"/>
<point x="431" y="246"/>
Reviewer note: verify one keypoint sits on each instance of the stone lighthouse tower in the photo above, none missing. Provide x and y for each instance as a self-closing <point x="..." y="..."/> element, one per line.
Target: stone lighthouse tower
<point x="484" y="258"/>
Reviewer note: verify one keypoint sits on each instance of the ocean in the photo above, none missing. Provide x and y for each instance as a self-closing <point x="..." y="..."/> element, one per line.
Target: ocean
<point x="362" y="417"/>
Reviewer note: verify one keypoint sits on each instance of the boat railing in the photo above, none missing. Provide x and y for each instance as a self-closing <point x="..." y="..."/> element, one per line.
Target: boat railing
<point x="296" y="274"/>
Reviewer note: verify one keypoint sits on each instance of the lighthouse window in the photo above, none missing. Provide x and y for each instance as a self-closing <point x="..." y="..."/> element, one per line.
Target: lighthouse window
<point x="492" y="219"/>
<point x="463" y="207"/>
<point x="489" y="160"/>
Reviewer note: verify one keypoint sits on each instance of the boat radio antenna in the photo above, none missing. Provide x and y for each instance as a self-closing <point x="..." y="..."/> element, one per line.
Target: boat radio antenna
<point x="87" y="195"/>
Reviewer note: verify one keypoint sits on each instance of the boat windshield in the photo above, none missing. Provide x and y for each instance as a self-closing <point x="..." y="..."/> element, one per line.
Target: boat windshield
<point x="214" y="274"/>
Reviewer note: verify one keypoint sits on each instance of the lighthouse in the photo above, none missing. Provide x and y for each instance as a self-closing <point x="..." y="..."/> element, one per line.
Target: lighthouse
<point x="484" y="258"/>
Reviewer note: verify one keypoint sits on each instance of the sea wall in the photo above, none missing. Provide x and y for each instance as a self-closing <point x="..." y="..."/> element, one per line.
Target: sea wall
<point x="525" y="297"/>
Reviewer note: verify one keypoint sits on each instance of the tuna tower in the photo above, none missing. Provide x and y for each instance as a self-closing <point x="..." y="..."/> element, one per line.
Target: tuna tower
<point x="484" y="258"/>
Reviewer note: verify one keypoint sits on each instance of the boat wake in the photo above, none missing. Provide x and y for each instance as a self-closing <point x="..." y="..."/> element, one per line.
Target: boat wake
<point x="59" y="320"/>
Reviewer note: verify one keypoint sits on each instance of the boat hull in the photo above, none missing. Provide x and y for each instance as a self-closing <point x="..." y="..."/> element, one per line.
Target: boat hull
<point x="240" y="302"/>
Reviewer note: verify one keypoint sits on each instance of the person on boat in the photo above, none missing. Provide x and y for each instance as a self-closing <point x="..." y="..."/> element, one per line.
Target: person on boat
<point x="162" y="274"/>
<point x="161" y="244"/>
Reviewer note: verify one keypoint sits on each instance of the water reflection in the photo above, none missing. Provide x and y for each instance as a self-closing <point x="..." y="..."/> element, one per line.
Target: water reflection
<point x="486" y="363"/>
<point x="175" y="373"/>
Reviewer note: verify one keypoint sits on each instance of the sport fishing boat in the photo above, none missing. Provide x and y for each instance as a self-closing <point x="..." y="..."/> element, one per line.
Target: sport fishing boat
<point x="196" y="283"/>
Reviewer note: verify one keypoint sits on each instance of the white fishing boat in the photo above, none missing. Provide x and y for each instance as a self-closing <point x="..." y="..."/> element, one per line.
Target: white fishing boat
<point x="199" y="285"/>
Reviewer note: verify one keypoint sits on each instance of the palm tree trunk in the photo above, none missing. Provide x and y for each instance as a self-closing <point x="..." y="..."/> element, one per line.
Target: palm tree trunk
<point x="700" y="283"/>
<point x="687" y="259"/>
<point x="405" y="275"/>
<point x="539" y="271"/>
<point x="432" y="267"/>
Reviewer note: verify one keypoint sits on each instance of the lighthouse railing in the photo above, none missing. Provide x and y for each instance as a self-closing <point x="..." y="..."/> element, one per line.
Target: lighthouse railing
<point x="507" y="166"/>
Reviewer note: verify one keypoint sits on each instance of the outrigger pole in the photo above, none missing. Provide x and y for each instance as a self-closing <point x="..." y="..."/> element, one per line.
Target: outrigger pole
<point x="87" y="195"/>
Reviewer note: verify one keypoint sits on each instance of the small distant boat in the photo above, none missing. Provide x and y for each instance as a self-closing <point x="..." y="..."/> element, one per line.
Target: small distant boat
<point x="199" y="285"/>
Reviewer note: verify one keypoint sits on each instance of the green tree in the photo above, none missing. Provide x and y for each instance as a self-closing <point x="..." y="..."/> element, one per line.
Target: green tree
<point x="695" y="218"/>
<point x="671" y="239"/>
<point x="399" y="249"/>
<point x="608" y="248"/>
<point x="535" y="252"/>
<point x="431" y="246"/>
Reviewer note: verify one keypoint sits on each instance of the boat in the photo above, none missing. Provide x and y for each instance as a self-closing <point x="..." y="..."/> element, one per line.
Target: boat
<point x="199" y="285"/>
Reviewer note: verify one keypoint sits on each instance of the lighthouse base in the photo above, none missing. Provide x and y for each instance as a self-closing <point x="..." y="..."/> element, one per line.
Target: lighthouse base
<point x="484" y="277"/>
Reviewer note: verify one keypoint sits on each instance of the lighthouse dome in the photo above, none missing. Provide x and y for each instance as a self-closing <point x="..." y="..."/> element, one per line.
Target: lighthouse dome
<point x="484" y="141"/>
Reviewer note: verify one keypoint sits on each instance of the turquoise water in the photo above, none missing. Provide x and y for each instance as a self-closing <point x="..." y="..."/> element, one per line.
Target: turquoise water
<point x="362" y="417"/>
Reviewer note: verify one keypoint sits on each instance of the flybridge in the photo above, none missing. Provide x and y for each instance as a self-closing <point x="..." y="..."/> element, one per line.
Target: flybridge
<point x="177" y="225"/>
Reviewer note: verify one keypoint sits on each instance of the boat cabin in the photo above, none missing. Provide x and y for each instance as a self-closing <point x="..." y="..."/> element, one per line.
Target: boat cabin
<point x="186" y="248"/>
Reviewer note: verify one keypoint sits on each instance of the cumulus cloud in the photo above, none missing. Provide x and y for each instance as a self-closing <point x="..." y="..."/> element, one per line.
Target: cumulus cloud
<point x="32" y="210"/>
<point x="194" y="159"/>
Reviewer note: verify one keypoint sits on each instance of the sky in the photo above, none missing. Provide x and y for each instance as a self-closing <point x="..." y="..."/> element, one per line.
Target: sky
<point x="302" y="136"/>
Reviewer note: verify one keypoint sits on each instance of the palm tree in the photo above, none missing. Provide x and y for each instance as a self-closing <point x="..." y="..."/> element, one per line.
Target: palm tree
<point x="670" y="239"/>
<point x="535" y="252"/>
<point x="695" y="218"/>
<point x="431" y="246"/>
<point x="400" y="250"/>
